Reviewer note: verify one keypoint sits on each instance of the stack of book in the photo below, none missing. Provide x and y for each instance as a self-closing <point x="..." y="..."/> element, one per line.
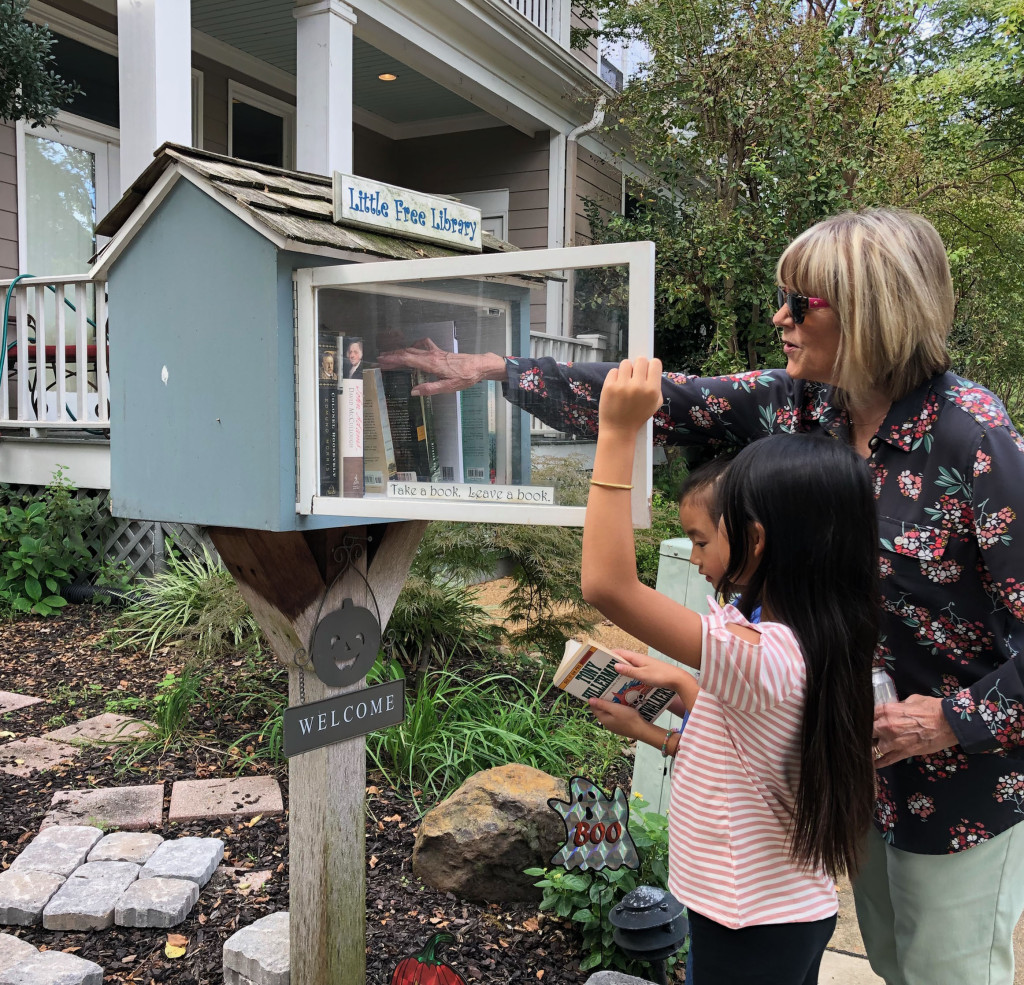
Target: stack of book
<point x="373" y="430"/>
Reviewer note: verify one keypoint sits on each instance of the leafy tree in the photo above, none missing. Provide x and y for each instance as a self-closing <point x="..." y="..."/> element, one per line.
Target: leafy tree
<point x="29" y="87"/>
<point x="756" y="118"/>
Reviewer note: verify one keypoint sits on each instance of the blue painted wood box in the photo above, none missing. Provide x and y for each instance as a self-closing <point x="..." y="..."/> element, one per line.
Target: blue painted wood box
<point x="206" y="423"/>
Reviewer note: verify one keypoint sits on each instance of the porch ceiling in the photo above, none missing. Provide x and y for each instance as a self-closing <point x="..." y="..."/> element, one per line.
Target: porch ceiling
<point x="266" y="30"/>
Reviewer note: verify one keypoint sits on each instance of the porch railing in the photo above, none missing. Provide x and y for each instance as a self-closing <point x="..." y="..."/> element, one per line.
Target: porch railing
<point x="551" y="16"/>
<point x="53" y="362"/>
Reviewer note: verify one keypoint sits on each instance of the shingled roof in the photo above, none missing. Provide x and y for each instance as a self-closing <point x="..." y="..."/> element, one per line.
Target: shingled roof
<point x="296" y="206"/>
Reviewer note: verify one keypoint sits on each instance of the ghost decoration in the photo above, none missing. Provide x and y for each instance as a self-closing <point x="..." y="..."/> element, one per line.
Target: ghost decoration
<point x="596" y="828"/>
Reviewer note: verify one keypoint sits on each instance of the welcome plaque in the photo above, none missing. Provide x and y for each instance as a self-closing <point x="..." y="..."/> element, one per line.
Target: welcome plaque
<point x="407" y="213"/>
<point x="309" y="727"/>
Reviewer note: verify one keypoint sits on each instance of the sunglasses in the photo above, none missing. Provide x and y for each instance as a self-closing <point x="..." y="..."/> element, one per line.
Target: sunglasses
<point x="799" y="304"/>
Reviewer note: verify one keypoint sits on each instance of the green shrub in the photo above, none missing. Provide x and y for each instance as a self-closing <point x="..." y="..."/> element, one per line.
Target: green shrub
<point x="436" y="619"/>
<point x="43" y="545"/>
<point x="195" y="604"/>
<point x="585" y="898"/>
<point x="176" y="697"/>
<point x="455" y="727"/>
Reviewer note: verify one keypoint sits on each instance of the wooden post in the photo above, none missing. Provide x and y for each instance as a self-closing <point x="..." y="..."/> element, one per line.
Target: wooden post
<point x="283" y="577"/>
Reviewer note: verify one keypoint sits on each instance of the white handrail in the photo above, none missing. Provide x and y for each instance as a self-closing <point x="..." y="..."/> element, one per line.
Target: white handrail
<point x="50" y="378"/>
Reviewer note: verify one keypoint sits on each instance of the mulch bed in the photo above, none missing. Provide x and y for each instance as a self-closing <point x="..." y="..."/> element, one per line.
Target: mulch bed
<point x="64" y="658"/>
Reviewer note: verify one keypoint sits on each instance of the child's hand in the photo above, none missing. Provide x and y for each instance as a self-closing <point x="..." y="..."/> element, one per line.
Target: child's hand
<point x="631" y="394"/>
<point x="649" y="670"/>
<point x="621" y="719"/>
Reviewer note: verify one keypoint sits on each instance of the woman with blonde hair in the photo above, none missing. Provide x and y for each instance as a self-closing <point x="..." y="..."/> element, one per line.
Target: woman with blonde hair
<point x="865" y="308"/>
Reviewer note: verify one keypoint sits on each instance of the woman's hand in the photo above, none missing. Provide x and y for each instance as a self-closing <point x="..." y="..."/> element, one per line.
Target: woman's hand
<point x="915" y="727"/>
<point x="621" y="719"/>
<point x="630" y="395"/>
<point x="454" y="370"/>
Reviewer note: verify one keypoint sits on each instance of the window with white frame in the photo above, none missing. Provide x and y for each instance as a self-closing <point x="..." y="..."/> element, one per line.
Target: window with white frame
<point x="260" y="127"/>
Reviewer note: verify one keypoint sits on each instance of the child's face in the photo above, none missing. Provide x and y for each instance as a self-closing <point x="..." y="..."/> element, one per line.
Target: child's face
<point x="703" y="534"/>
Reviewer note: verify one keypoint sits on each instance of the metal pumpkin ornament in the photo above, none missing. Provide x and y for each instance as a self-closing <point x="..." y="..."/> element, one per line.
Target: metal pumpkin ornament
<point x="426" y="968"/>
<point x="345" y="645"/>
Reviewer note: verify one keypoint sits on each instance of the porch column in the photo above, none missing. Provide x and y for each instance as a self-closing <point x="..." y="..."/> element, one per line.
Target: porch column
<point x="154" y="68"/>
<point x="323" y="86"/>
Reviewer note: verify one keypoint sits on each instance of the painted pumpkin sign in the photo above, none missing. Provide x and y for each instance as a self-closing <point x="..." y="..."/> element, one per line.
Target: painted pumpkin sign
<point x="426" y="968"/>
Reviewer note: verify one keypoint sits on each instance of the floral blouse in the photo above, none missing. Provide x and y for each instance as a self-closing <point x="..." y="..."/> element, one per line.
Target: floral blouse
<point x="948" y="471"/>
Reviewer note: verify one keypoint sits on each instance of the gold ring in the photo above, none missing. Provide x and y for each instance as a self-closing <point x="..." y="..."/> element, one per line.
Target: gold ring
<point x="876" y="750"/>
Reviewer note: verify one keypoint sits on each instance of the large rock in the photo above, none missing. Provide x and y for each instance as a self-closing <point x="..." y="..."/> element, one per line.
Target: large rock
<point x="476" y="843"/>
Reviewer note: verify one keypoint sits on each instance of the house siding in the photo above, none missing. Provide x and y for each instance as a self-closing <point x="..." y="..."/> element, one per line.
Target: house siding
<point x="587" y="55"/>
<point x="478" y="160"/>
<point x="8" y="202"/>
<point x="596" y="181"/>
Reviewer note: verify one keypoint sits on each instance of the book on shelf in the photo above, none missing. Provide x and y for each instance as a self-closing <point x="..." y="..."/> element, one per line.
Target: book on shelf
<point x="588" y="670"/>
<point x="478" y="463"/>
<point x="379" y="466"/>
<point x="327" y="408"/>
<point x="409" y="426"/>
<point x="350" y="428"/>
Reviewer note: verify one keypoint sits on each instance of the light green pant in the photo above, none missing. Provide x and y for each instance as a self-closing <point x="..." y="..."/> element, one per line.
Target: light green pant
<point x="942" y="919"/>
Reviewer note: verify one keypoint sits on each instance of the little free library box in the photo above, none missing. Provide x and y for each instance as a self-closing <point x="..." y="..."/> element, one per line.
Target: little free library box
<point x="248" y="323"/>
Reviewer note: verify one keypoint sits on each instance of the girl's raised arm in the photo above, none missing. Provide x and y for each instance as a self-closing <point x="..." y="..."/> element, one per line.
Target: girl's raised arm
<point x="631" y="394"/>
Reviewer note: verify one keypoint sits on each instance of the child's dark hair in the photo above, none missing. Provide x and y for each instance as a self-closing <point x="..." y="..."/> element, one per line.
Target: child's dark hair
<point x="702" y="484"/>
<point x="818" y="575"/>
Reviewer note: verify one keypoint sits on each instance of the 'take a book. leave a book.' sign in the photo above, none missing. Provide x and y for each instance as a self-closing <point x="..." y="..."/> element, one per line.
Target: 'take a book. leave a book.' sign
<point x="403" y="212"/>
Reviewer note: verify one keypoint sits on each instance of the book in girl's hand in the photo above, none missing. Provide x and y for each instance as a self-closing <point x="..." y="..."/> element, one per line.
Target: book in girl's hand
<point x="588" y="671"/>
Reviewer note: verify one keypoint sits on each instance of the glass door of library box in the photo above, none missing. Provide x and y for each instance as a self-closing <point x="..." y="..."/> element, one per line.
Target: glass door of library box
<point x="372" y="445"/>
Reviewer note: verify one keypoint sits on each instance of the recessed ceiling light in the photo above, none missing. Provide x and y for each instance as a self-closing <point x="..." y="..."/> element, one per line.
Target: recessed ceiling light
<point x="387" y="77"/>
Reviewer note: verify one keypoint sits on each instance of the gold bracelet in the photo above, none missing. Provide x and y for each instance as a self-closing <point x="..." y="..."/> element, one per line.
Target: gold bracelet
<point x="610" y="485"/>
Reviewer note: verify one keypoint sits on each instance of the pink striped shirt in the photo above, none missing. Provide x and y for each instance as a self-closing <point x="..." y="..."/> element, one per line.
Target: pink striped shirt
<point x="734" y="783"/>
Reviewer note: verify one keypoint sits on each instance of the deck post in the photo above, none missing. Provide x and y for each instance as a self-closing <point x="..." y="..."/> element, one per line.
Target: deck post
<point x="289" y="580"/>
<point x="323" y="86"/>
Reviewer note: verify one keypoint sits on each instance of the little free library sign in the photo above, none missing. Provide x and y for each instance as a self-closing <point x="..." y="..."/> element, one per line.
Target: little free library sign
<point x="411" y="214"/>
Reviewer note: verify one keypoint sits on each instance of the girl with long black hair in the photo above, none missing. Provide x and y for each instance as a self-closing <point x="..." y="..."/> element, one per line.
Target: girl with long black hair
<point x="772" y="790"/>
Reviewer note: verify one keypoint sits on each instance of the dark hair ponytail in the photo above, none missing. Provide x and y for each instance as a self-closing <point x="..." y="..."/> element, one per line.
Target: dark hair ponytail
<point x="817" y="575"/>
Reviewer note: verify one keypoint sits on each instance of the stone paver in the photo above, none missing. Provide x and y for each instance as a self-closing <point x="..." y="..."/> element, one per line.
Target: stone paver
<point x="130" y="808"/>
<point x="13" y="950"/>
<point x="101" y="728"/>
<point x="185" y="858"/>
<point x="60" y="849"/>
<point x="53" y="968"/>
<point x="126" y="846"/>
<point x="22" y="757"/>
<point x="844" y="969"/>
<point x="258" y="953"/>
<point x="244" y="796"/>
<point x="86" y="901"/>
<point x="24" y="894"/>
<point x="9" y="701"/>
<point x="156" y="903"/>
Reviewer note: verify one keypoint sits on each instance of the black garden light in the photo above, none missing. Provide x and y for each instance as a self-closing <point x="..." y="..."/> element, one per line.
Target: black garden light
<point x="650" y="925"/>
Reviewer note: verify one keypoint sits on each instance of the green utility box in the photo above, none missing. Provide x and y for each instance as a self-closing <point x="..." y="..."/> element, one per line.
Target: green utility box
<point x="679" y="580"/>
